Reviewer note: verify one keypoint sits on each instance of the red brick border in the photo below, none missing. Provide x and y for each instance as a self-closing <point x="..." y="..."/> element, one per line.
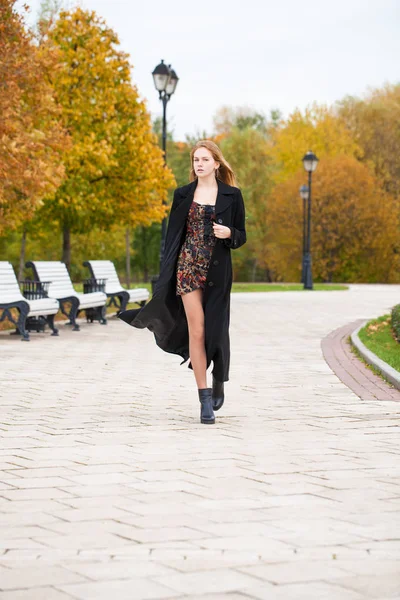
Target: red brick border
<point x="350" y="370"/>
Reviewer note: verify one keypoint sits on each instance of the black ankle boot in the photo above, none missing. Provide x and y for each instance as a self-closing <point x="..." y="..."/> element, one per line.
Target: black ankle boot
<point x="206" y="413"/>
<point x="218" y="396"/>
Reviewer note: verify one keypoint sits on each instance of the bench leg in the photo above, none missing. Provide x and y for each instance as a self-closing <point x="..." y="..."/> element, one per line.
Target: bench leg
<point x="119" y="300"/>
<point x="123" y="299"/>
<point x="72" y="313"/>
<point x="101" y="314"/>
<point x="123" y="302"/>
<point x="20" y="321"/>
<point x="50" y="321"/>
<point x="21" y="328"/>
<point x="113" y="302"/>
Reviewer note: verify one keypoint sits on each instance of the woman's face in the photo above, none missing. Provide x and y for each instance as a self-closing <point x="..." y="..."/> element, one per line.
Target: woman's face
<point x="204" y="163"/>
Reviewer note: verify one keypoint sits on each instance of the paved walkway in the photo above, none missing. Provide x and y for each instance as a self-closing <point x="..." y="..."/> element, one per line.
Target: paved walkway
<point x="111" y="489"/>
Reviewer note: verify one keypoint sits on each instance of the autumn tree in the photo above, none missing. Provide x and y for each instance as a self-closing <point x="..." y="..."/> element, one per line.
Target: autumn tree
<point x="31" y="134"/>
<point x="374" y="122"/>
<point x="354" y="225"/>
<point x="115" y="171"/>
<point x="318" y="129"/>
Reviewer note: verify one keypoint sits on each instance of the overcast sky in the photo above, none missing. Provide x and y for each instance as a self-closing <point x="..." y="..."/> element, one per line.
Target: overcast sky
<point x="260" y="53"/>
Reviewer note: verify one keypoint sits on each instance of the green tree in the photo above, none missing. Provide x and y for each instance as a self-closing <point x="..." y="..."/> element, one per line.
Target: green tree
<point x="247" y="151"/>
<point x="243" y="117"/>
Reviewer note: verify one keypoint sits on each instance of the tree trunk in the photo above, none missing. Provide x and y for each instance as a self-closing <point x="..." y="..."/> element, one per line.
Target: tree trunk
<point x="66" y="254"/>
<point x="145" y="255"/>
<point x="128" y="256"/>
<point x="253" y="271"/>
<point x="22" y="255"/>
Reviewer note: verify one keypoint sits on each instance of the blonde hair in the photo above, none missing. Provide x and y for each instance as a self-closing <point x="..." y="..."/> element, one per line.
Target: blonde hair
<point x="224" y="172"/>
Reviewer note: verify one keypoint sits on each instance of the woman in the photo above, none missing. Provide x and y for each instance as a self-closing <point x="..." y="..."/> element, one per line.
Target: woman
<point x="189" y="311"/>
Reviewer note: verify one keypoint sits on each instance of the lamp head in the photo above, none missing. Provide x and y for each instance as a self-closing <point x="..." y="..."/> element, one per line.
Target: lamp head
<point x="172" y="82"/>
<point x="161" y="75"/>
<point x="304" y="192"/>
<point x="310" y="161"/>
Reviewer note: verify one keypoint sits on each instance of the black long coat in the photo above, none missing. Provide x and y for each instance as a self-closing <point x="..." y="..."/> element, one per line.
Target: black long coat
<point x="164" y="315"/>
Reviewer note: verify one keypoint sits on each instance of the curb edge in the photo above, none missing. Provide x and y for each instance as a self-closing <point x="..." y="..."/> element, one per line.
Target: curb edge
<point x="387" y="371"/>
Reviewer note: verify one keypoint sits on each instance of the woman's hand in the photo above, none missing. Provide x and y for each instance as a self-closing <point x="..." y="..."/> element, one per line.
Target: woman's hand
<point x="221" y="232"/>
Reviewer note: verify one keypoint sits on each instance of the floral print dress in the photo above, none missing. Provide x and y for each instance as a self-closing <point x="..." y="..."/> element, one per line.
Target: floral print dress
<point x="195" y="254"/>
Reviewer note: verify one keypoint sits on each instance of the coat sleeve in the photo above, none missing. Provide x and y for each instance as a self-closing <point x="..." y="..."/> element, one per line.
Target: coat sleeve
<point x="173" y="207"/>
<point x="168" y="235"/>
<point x="238" y="231"/>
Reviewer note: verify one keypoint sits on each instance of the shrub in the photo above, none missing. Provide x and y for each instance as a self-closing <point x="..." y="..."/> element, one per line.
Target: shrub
<point x="395" y="322"/>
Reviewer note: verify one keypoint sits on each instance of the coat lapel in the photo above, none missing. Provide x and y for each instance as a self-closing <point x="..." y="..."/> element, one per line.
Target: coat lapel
<point x="224" y="197"/>
<point x="187" y="200"/>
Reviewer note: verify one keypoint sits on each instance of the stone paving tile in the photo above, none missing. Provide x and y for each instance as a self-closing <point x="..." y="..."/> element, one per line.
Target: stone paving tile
<point x="40" y="593"/>
<point x="30" y="577"/>
<point x="20" y="543"/>
<point x="232" y="596"/>
<point x="105" y="469"/>
<point x="150" y="535"/>
<point x="303" y="591"/>
<point x="93" y="539"/>
<point x="207" y="560"/>
<point x="369" y="565"/>
<point x="46" y="493"/>
<point x="35" y="474"/>
<point x="223" y="580"/>
<point x="257" y="543"/>
<point x="126" y="589"/>
<point x="380" y="549"/>
<point x="296" y="571"/>
<point x="24" y="507"/>
<point x="26" y="518"/>
<point x="117" y="569"/>
<point x="92" y="513"/>
<point x="373" y="587"/>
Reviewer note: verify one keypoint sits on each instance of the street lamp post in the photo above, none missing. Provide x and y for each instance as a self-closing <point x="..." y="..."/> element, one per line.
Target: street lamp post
<point x="310" y="162"/>
<point x="304" y="195"/>
<point x="165" y="81"/>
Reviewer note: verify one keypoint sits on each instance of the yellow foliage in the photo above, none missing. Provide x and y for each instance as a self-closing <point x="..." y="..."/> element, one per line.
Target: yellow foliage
<point x="374" y="123"/>
<point x="319" y="130"/>
<point x="354" y="225"/>
<point x="115" y="170"/>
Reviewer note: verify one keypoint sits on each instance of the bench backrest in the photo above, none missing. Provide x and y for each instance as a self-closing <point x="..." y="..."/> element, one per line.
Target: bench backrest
<point x="56" y="272"/>
<point x="105" y="269"/>
<point x="9" y="288"/>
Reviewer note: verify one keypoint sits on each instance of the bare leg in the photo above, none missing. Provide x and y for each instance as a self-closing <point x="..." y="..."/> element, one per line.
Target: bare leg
<point x="193" y="305"/>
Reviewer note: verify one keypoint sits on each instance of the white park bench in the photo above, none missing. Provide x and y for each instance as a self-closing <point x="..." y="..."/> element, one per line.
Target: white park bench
<point x="61" y="288"/>
<point x="105" y="269"/>
<point x="35" y="309"/>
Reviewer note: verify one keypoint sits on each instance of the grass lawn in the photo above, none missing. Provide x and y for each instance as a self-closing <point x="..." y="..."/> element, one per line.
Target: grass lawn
<point x="377" y="336"/>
